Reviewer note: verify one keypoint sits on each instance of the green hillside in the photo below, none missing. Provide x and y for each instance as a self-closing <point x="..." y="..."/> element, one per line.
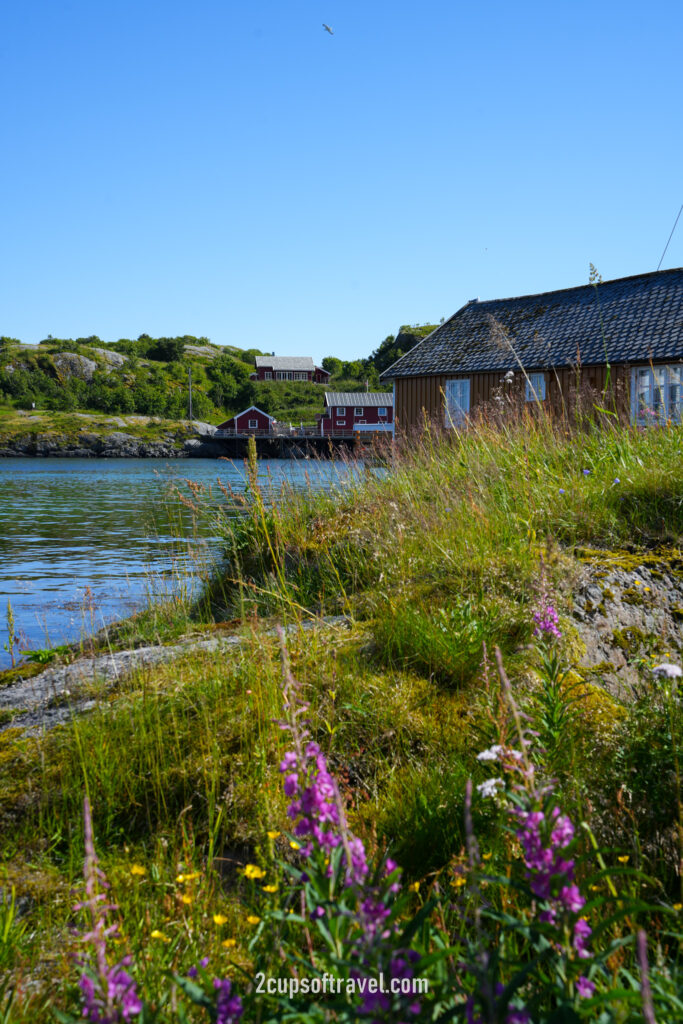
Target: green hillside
<point x="150" y="377"/>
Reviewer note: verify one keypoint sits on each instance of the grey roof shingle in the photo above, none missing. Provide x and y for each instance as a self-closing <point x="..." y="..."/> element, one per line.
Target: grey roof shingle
<point x="285" y="362"/>
<point x="628" y="320"/>
<point x="364" y="398"/>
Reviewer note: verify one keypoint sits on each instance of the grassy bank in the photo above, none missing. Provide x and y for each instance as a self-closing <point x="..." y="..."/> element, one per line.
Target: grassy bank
<point x="451" y="549"/>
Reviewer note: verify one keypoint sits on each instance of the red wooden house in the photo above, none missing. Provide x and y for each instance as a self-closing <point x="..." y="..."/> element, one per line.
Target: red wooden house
<point x="347" y="412"/>
<point x="250" y="421"/>
<point x="269" y="368"/>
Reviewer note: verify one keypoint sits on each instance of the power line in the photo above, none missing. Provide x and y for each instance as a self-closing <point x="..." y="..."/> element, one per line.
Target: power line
<point x="670" y="237"/>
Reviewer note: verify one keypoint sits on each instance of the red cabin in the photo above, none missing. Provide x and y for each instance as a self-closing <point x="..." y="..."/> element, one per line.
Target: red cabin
<point x="250" y="421"/>
<point x="348" y="412"/>
<point x="271" y="368"/>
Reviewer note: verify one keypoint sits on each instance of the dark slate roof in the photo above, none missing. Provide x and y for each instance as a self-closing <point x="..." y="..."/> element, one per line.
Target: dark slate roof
<point x="633" y="319"/>
<point x="364" y="398"/>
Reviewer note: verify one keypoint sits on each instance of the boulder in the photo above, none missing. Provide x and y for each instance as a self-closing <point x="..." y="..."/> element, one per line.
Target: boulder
<point x="71" y="364"/>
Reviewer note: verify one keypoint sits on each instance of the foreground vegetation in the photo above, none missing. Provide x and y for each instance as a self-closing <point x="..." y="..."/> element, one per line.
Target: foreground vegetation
<point x="464" y="546"/>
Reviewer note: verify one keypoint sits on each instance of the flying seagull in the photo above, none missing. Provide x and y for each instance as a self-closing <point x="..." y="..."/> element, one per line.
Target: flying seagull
<point x="328" y="29"/>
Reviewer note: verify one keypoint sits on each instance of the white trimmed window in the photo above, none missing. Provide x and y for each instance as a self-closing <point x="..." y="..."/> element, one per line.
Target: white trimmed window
<point x="535" y="387"/>
<point x="341" y="411"/>
<point x="280" y="375"/>
<point x="341" y="423"/>
<point x="253" y="424"/>
<point x="382" y="410"/>
<point x="359" y="411"/>
<point x="457" y="402"/>
<point x="268" y="375"/>
<point x="300" y="375"/>
<point x="656" y="394"/>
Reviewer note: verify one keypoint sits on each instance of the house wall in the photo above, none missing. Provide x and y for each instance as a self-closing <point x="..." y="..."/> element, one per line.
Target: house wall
<point x="420" y="399"/>
<point x="240" y="423"/>
<point x="318" y="375"/>
<point x="333" y="421"/>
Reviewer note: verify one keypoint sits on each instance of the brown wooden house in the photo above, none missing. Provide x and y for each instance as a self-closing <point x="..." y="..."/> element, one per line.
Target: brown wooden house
<point x="547" y="349"/>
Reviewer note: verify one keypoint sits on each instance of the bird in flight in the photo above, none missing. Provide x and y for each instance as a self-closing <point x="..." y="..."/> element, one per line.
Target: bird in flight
<point x="328" y="29"/>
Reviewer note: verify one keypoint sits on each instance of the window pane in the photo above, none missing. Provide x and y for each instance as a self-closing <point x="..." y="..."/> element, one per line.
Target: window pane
<point x="675" y="404"/>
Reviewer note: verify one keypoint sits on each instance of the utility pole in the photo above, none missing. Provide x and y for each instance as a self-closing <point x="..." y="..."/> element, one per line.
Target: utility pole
<point x="190" y="374"/>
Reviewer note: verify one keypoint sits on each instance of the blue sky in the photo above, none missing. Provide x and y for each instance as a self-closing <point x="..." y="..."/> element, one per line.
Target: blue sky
<point x="232" y="170"/>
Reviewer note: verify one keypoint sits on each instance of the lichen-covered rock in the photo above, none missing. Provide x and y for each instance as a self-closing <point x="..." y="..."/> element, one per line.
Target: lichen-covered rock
<point x="115" y="358"/>
<point x="71" y="364"/>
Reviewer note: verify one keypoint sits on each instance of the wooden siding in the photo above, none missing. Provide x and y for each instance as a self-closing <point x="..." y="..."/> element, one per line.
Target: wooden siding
<point x="421" y="399"/>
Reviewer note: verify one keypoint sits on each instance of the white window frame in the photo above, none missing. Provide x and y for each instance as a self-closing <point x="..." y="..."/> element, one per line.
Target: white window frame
<point x="280" y="375"/>
<point x="300" y="375"/>
<point x="359" y="411"/>
<point x="341" y="423"/>
<point x="253" y="424"/>
<point x="268" y="375"/>
<point x="341" y="410"/>
<point x="382" y="411"/>
<point x="535" y="387"/>
<point x="657" y="394"/>
<point x="457" y="402"/>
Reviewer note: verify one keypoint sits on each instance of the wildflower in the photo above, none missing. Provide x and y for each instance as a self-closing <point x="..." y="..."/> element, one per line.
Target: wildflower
<point x="156" y="934"/>
<point x="670" y="671"/>
<point x="489" y="787"/>
<point x="294" y="845"/>
<point x="459" y="881"/>
<point x="254" y="871"/>
<point x="616" y="480"/>
<point x="219" y="919"/>
<point x="273" y="834"/>
<point x="193" y="971"/>
<point x="252" y="919"/>
<point x="546" y="620"/>
<point x="586" y="472"/>
<point x="561" y="491"/>
<point x="414" y="887"/>
<point x="678" y="906"/>
<point x="270" y="888"/>
<point x="492" y="754"/>
<point x="188" y="878"/>
<point x="186" y="898"/>
<point x="228" y="1007"/>
<point x="624" y="859"/>
<point x="584" y="987"/>
<point x="486" y="856"/>
<point x="137" y="869"/>
<point x="229" y="943"/>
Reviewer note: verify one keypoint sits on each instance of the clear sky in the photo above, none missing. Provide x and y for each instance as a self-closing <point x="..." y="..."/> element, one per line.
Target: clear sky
<point x="233" y="170"/>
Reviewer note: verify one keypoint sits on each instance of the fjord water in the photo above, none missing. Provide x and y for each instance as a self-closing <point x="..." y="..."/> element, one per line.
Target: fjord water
<point x="86" y="541"/>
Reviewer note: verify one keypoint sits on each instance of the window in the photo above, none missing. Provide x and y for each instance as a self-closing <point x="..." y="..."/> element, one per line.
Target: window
<point x="656" y="394"/>
<point x="457" y="402"/>
<point x="382" y="411"/>
<point x="341" y="411"/>
<point x="300" y="375"/>
<point x="268" y="375"/>
<point x="253" y="424"/>
<point x="341" y="423"/>
<point x="535" y="387"/>
<point x="280" y="375"/>
<point x="358" y="411"/>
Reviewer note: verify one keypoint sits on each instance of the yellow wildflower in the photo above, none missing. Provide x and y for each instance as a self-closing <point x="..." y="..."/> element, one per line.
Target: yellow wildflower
<point x="414" y="887"/>
<point x="273" y="834"/>
<point x="636" y="583"/>
<point x="185" y="898"/>
<point x="624" y="859"/>
<point x="229" y="943"/>
<point x="254" y="871"/>
<point x="188" y="878"/>
<point x="486" y="856"/>
<point x="137" y="869"/>
<point x="270" y="888"/>
<point x="678" y="906"/>
<point x="460" y="881"/>
<point x="253" y="919"/>
<point x="219" y="919"/>
<point x="294" y="845"/>
<point x="156" y="934"/>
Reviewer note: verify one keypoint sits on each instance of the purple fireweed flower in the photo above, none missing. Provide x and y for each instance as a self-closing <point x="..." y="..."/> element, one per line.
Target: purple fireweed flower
<point x="546" y="620"/>
<point x="228" y="1007"/>
<point x="582" y="932"/>
<point x="584" y="987"/>
<point x="108" y="992"/>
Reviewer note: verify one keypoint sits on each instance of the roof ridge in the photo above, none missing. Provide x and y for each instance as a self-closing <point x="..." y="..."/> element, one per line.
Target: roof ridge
<point x="573" y="288"/>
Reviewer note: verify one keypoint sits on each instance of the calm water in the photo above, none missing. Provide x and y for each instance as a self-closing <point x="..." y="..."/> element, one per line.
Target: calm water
<point x="85" y="541"/>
